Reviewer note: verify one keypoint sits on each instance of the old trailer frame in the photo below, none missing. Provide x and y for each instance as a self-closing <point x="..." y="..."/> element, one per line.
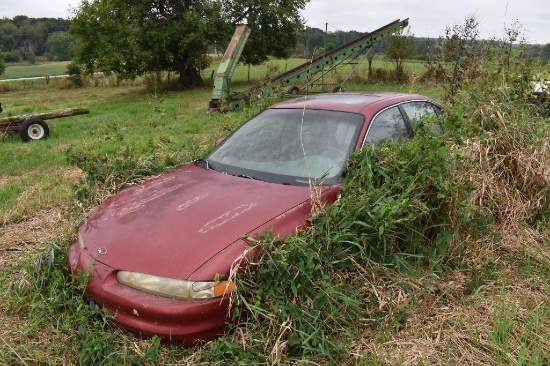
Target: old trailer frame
<point x="31" y="126"/>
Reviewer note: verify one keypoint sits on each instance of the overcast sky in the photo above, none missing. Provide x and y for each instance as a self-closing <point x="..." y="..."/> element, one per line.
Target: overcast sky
<point x="427" y="18"/>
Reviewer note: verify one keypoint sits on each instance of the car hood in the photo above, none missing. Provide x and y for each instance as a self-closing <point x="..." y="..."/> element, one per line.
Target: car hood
<point x="172" y="224"/>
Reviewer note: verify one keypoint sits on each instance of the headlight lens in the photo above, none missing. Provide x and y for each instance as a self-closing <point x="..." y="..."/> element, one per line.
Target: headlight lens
<point x="177" y="289"/>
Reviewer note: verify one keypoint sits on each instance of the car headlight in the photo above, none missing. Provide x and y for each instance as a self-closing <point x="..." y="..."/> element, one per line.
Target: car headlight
<point x="178" y="289"/>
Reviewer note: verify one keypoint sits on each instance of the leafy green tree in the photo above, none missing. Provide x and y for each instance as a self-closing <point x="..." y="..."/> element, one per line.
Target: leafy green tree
<point x="61" y="45"/>
<point x="313" y="39"/>
<point x="134" y="37"/>
<point x="8" y="35"/>
<point x="399" y="48"/>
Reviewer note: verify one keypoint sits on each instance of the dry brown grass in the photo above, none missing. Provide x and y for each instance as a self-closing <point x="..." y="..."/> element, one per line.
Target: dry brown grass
<point x="37" y="217"/>
<point x="448" y="324"/>
<point x="514" y="181"/>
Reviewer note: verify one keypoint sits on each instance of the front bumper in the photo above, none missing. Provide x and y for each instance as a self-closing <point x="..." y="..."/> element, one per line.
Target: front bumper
<point x="148" y="314"/>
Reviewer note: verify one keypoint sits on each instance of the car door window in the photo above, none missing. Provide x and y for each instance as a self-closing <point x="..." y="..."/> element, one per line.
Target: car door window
<point x="389" y="124"/>
<point x="421" y="111"/>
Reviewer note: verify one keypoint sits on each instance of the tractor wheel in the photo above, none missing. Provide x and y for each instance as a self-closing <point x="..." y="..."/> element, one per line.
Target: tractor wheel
<point x="33" y="129"/>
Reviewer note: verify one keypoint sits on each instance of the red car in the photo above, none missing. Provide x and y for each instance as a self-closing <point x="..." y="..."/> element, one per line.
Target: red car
<point x="160" y="252"/>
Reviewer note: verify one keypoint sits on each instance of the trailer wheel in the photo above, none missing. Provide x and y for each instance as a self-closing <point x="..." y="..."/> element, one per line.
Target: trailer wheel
<point x="33" y="129"/>
<point x="293" y="90"/>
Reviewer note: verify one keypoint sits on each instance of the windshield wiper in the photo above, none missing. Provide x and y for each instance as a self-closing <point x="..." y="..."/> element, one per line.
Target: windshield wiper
<point x="204" y="163"/>
<point x="247" y="177"/>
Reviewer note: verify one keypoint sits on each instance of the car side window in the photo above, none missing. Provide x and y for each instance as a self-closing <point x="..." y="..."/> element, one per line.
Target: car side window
<point x="389" y="124"/>
<point x="424" y="112"/>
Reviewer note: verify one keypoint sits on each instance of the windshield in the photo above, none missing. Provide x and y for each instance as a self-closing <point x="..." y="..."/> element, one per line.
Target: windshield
<point x="290" y="146"/>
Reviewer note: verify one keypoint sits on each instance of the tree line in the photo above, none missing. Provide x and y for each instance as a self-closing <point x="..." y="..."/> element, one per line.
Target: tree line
<point x="313" y="42"/>
<point x="24" y="39"/>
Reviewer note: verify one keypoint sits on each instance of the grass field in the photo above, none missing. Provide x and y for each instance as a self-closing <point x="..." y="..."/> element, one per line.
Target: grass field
<point x="36" y="70"/>
<point x="492" y="309"/>
<point x="275" y="67"/>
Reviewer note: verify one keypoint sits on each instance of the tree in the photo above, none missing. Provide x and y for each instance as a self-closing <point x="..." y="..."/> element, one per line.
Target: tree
<point x="61" y="45"/>
<point x="399" y="48"/>
<point x="461" y="53"/>
<point x="315" y="39"/>
<point x="134" y="37"/>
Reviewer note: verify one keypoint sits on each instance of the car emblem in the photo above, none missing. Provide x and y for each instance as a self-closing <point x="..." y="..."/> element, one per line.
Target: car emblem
<point x="102" y="250"/>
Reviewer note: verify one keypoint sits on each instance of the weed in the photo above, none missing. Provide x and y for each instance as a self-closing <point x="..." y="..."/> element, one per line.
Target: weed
<point x="298" y="307"/>
<point x="108" y="174"/>
<point x="405" y="200"/>
<point x="44" y="291"/>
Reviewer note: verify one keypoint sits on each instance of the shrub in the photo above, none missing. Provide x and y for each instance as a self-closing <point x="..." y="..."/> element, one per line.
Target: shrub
<point x="75" y="74"/>
<point x="13" y="56"/>
<point x="403" y="198"/>
<point x="493" y="120"/>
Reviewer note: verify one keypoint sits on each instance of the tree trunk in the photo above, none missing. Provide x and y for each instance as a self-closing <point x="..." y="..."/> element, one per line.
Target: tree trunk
<point x="190" y="78"/>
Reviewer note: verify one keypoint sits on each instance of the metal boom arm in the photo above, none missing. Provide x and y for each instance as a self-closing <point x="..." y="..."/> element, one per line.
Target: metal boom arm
<point x="300" y="78"/>
<point x="228" y="64"/>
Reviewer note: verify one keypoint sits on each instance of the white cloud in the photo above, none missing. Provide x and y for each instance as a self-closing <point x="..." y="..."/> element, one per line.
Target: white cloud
<point x="429" y="18"/>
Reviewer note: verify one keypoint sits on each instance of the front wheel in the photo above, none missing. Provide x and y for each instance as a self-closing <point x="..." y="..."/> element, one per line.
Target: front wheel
<point x="33" y="129"/>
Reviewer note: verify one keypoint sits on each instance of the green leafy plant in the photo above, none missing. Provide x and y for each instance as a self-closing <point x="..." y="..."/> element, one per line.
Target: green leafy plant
<point x="75" y="74"/>
<point x="109" y="173"/>
<point x="406" y="199"/>
<point x="52" y="299"/>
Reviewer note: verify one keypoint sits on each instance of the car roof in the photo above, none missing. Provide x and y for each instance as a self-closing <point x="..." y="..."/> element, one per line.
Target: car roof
<point x="350" y="102"/>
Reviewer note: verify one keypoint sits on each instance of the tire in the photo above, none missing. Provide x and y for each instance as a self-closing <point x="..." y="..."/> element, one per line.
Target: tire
<point x="293" y="90"/>
<point x="33" y="129"/>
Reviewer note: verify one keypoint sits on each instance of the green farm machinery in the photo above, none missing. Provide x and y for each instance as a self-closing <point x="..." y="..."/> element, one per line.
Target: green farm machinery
<point x="301" y="79"/>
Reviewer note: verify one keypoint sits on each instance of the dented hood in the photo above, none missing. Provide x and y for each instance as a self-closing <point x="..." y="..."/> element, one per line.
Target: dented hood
<point x="173" y="224"/>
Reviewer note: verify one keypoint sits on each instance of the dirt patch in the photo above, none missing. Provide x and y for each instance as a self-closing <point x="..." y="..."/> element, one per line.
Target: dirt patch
<point x="19" y="239"/>
<point x="4" y="181"/>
